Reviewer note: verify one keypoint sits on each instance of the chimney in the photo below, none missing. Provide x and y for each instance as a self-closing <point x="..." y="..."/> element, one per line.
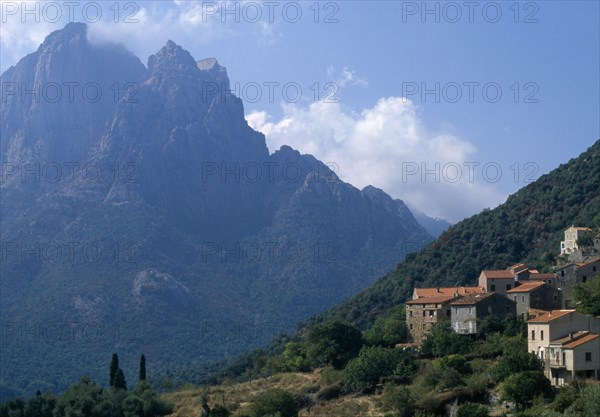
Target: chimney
<point x="437" y="289"/>
<point x="570" y="336"/>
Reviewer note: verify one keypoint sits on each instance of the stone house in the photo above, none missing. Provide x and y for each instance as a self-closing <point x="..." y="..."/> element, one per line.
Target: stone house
<point x="534" y="294"/>
<point x="497" y="280"/>
<point x="422" y="313"/>
<point x="549" y="278"/>
<point x="467" y="312"/>
<point x="552" y="330"/>
<point x="573" y="274"/>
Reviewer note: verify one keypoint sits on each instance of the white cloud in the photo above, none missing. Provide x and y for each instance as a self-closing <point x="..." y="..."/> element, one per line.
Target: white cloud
<point x="381" y="146"/>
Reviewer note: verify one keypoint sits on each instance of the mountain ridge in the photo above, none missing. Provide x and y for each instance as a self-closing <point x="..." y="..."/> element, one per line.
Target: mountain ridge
<point x="173" y="200"/>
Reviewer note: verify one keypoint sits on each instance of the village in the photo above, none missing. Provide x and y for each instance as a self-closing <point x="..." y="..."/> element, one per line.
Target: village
<point x="567" y="341"/>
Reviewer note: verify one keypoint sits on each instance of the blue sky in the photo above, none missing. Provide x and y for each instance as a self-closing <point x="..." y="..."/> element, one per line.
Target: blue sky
<point x="376" y="58"/>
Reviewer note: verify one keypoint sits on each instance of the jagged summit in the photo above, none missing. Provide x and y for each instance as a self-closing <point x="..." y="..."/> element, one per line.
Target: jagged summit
<point x="176" y="182"/>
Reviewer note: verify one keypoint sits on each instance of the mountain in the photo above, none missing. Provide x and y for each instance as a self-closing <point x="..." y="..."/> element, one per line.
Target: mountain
<point x="141" y="214"/>
<point x="434" y="225"/>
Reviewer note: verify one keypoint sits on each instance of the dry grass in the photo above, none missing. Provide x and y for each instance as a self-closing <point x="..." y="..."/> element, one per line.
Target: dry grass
<point x="238" y="397"/>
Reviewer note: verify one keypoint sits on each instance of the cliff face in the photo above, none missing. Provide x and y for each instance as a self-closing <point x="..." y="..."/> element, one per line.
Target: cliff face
<point x="170" y="229"/>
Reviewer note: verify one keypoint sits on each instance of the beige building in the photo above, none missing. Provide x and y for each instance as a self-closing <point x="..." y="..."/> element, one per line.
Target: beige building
<point x="576" y="356"/>
<point x="553" y="330"/>
<point x="497" y="280"/>
<point x="572" y="234"/>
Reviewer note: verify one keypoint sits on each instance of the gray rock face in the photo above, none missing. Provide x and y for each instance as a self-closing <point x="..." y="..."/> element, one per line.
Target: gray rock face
<point x="190" y="217"/>
<point x="152" y="288"/>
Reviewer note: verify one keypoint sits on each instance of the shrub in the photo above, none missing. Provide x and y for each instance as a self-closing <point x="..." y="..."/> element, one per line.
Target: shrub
<point x="388" y="330"/>
<point x="274" y="401"/>
<point x="472" y="410"/>
<point x="399" y="400"/>
<point x="523" y="387"/>
<point x="333" y="343"/>
<point x="370" y="366"/>
<point x="329" y="393"/>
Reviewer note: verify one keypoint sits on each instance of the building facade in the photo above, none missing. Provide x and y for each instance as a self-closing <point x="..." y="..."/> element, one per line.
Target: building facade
<point x="468" y="312"/>
<point x="423" y="313"/>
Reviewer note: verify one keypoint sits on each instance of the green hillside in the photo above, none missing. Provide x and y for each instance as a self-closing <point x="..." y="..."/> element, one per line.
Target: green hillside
<point x="527" y="227"/>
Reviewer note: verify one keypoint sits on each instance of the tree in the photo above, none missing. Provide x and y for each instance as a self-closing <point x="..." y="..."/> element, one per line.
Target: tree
<point x="516" y="360"/>
<point x="399" y="400"/>
<point x="273" y="402"/>
<point x="120" y="380"/>
<point x="143" y="401"/>
<point x="84" y="399"/>
<point x="142" y="368"/>
<point x="372" y="364"/>
<point x="441" y="340"/>
<point x="587" y="296"/>
<point x="472" y="410"/>
<point x="591" y="399"/>
<point x="523" y="387"/>
<point x="219" y="411"/>
<point x="333" y="343"/>
<point x="388" y="330"/>
<point x="114" y="367"/>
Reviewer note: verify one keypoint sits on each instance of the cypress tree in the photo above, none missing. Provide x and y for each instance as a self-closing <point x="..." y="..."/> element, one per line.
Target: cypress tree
<point x="120" y="380"/>
<point x="114" y="367"/>
<point x="142" y="368"/>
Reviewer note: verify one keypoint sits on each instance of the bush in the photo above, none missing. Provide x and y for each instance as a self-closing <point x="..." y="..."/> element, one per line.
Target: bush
<point x="398" y="399"/>
<point x="441" y="340"/>
<point x="273" y="402"/>
<point x="329" y="393"/>
<point x="372" y="364"/>
<point x="389" y="330"/>
<point x="523" y="387"/>
<point x="333" y="343"/>
<point x="219" y="411"/>
<point x="517" y="361"/>
<point x="472" y="410"/>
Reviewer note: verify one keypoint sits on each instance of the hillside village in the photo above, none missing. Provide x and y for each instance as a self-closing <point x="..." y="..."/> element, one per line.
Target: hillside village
<point x="567" y="341"/>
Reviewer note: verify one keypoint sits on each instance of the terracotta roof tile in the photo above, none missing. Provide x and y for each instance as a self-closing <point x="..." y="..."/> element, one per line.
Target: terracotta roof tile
<point x="553" y="315"/>
<point x="498" y="274"/>
<point x="578" y="339"/>
<point x="436" y="292"/>
<point x="431" y="300"/>
<point x="527" y="287"/>
<point x="472" y="298"/>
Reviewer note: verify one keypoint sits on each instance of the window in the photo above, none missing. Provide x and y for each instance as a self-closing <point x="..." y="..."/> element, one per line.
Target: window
<point x="470" y="310"/>
<point x="508" y="287"/>
<point x="542" y="335"/>
<point x="515" y="298"/>
<point x="555" y="298"/>
<point x="594" y="268"/>
<point x="562" y="273"/>
<point x="533" y="335"/>
<point x="411" y="326"/>
<point x="584" y="279"/>
<point x="492" y="288"/>
<point x="410" y="313"/>
<point x="424" y="311"/>
<point x="448" y="313"/>
<point x="522" y="298"/>
<point x="588" y="356"/>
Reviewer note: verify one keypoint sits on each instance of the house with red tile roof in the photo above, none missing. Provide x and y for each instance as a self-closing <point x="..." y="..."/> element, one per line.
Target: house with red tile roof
<point x="497" y="280"/>
<point x="575" y="356"/>
<point x="534" y="294"/>
<point x="439" y="291"/>
<point x="549" y="330"/>
<point x="424" y="312"/>
<point x="467" y="312"/>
